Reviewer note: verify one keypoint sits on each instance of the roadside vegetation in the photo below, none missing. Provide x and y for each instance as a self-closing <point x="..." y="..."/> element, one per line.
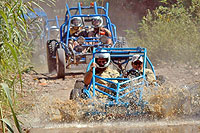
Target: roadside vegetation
<point x="171" y="33"/>
<point x="15" y="51"/>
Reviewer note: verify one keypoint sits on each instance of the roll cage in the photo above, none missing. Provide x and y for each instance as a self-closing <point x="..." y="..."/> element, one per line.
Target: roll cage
<point x="120" y="57"/>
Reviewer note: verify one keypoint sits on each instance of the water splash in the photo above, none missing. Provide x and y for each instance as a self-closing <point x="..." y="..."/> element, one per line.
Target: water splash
<point x="164" y="102"/>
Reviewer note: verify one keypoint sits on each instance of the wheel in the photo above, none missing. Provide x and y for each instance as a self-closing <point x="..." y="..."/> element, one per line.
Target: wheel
<point x="61" y="62"/>
<point x="77" y="92"/>
<point x="51" y="62"/>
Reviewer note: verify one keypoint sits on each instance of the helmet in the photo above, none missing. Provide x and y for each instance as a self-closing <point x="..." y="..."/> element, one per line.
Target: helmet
<point x="76" y="22"/>
<point x="97" y="21"/>
<point x="103" y="55"/>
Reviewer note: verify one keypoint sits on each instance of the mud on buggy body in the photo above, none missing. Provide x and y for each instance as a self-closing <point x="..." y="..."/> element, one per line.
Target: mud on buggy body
<point x="62" y="55"/>
<point x="125" y="91"/>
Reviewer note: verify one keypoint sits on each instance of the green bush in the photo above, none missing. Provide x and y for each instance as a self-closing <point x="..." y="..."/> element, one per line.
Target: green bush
<point x="170" y="33"/>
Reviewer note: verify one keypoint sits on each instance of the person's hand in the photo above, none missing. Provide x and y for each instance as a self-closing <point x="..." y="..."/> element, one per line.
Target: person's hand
<point x="93" y="65"/>
<point x="76" y="43"/>
<point x="105" y="30"/>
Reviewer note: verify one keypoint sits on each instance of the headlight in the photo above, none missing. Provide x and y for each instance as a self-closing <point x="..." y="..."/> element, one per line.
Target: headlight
<point x="78" y="48"/>
<point x="81" y="40"/>
<point x="104" y="39"/>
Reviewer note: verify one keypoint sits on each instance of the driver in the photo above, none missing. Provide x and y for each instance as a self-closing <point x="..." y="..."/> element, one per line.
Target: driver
<point x="76" y="24"/>
<point x="99" y="30"/>
<point x="76" y="30"/>
<point x="102" y="69"/>
<point x="137" y="69"/>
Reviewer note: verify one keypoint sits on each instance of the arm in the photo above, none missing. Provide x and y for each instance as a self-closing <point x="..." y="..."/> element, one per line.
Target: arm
<point x="88" y="75"/>
<point x="108" y="33"/>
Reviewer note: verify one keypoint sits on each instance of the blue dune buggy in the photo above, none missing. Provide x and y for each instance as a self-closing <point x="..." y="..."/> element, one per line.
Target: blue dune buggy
<point x="38" y="19"/>
<point x="61" y="56"/>
<point x="124" y="91"/>
<point x="42" y="28"/>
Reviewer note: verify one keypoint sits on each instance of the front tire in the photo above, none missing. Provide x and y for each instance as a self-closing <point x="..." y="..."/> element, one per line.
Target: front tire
<point x="77" y="92"/>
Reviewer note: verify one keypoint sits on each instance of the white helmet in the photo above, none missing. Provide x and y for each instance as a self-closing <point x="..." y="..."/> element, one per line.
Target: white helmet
<point x="97" y="21"/>
<point x="76" y="22"/>
<point x="102" y="55"/>
<point x="137" y="57"/>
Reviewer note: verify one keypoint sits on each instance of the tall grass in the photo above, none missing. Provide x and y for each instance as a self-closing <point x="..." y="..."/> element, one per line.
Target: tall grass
<point x="171" y="33"/>
<point x="15" y="49"/>
<point x="8" y="96"/>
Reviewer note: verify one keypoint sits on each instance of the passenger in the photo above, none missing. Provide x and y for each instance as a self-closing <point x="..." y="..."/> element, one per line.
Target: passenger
<point x="98" y="30"/>
<point x="137" y="69"/>
<point x="102" y="69"/>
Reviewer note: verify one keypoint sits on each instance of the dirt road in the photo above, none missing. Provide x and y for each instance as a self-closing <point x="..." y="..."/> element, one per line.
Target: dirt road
<point x="43" y="93"/>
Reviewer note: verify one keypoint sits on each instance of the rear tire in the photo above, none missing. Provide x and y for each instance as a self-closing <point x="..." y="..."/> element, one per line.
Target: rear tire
<point x="77" y="92"/>
<point x="61" y="62"/>
<point x="51" y="62"/>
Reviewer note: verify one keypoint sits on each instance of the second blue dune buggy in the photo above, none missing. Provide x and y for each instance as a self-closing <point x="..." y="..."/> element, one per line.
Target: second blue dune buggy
<point x="124" y="91"/>
<point x="41" y="29"/>
<point x="61" y="56"/>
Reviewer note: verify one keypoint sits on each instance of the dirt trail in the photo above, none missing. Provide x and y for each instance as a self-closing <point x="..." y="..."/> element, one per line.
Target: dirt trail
<point x="41" y="91"/>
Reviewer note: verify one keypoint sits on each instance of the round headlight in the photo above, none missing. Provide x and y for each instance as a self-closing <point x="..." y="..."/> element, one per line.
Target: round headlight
<point x="104" y="39"/>
<point x="81" y="40"/>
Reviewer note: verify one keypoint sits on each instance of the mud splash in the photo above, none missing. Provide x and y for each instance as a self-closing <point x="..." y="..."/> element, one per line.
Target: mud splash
<point x="168" y="101"/>
<point x="164" y="102"/>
